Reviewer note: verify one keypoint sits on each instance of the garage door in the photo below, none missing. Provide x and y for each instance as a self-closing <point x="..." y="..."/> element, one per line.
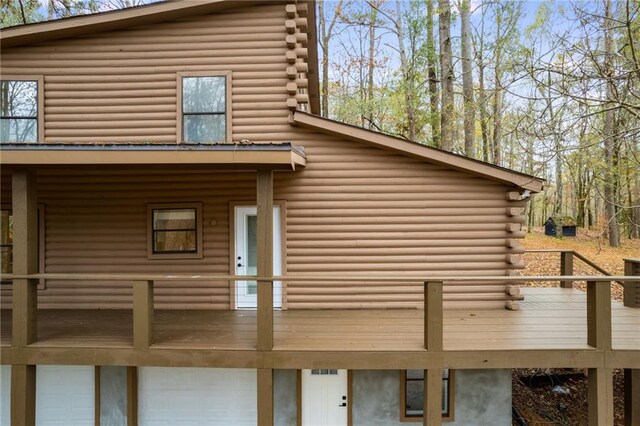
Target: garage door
<point x="5" y="395"/>
<point x="196" y="396"/>
<point x="65" y="395"/>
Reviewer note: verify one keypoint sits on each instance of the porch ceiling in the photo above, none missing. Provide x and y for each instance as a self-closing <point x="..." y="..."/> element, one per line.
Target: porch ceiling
<point x="283" y="156"/>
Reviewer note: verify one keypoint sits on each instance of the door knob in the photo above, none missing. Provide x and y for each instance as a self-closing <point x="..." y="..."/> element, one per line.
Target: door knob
<point x="344" y="404"/>
<point x="239" y="265"/>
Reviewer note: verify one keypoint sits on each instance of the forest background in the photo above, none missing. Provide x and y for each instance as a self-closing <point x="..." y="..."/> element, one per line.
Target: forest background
<point x="548" y="88"/>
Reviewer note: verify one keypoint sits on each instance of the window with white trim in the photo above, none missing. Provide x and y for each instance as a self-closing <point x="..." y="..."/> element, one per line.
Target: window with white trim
<point x="204" y="108"/>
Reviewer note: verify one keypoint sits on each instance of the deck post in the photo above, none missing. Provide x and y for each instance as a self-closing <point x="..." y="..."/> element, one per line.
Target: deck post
<point x="132" y="396"/>
<point x="566" y="267"/>
<point x="23" y="395"/>
<point x="433" y="316"/>
<point x="432" y="412"/>
<point x="24" y="293"/>
<point x="142" y="314"/>
<point x="265" y="397"/>
<point x="265" y="258"/>
<point x="631" y="397"/>
<point x="600" y="396"/>
<point x="599" y="314"/>
<point x="632" y="288"/>
<point x="25" y="257"/>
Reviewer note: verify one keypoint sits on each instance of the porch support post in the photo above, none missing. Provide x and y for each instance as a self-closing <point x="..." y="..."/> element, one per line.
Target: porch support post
<point x="432" y="397"/>
<point x="142" y="314"/>
<point x="599" y="314"/>
<point x="25" y="257"/>
<point x="265" y="397"/>
<point x="566" y="267"/>
<point x="265" y="258"/>
<point x="600" y="396"/>
<point x="23" y="395"/>
<point x="24" y="294"/>
<point x="631" y="397"/>
<point x="433" y="316"/>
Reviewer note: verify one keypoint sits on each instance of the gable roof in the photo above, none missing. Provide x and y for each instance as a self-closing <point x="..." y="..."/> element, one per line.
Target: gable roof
<point x="417" y="150"/>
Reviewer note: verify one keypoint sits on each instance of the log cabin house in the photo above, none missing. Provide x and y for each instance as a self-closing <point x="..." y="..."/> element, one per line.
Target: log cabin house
<point x="186" y="241"/>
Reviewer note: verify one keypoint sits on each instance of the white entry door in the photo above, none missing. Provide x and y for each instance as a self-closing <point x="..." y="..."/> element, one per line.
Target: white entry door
<point x="324" y="397"/>
<point x="246" y="256"/>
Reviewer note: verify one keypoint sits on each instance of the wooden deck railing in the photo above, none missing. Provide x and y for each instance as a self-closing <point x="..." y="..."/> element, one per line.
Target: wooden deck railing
<point x="598" y="302"/>
<point x="599" y="327"/>
<point x="567" y="261"/>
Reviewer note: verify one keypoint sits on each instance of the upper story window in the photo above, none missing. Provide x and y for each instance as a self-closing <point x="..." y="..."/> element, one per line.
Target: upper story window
<point x="19" y="110"/>
<point x="205" y="106"/>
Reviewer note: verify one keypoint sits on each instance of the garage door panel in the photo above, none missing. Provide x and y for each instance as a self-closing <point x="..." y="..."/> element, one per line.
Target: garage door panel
<point x="65" y="395"/>
<point x="196" y="396"/>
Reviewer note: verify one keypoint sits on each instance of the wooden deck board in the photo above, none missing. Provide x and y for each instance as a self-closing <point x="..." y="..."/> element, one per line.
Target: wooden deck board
<point x="549" y="318"/>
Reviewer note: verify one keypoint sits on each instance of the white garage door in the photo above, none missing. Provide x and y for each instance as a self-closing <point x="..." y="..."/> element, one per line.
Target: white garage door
<point x="5" y="395"/>
<point x="65" y="395"/>
<point x="196" y="396"/>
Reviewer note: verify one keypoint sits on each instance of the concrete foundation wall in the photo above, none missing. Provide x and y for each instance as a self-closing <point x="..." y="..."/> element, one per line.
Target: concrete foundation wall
<point x="113" y="396"/>
<point x="482" y="397"/>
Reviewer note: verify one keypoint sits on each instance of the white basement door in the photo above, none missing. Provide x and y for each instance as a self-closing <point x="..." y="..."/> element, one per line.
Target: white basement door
<point x="196" y="396"/>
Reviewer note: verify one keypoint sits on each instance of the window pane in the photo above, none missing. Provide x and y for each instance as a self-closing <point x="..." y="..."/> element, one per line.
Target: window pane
<point x="174" y="219"/>
<point x="18" y="98"/>
<point x="18" y="130"/>
<point x="174" y="241"/>
<point x="415" y="374"/>
<point x="7" y="259"/>
<point x="203" y="94"/>
<point x="415" y="398"/>
<point x="204" y="128"/>
<point x="6" y="241"/>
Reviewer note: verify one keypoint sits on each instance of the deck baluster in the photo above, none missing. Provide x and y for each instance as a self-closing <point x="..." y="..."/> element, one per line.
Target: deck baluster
<point x="566" y="268"/>
<point x="142" y="314"/>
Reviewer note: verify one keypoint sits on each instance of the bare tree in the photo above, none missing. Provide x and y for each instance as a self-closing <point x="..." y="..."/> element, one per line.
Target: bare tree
<point x="467" y="79"/>
<point x="326" y="33"/>
<point x="446" y="73"/>
<point x="432" y="65"/>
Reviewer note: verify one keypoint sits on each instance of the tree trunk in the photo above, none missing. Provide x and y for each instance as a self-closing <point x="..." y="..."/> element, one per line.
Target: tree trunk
<point x="446" y="73"/>
<point x="408" y="75"/>
<point x="467" y="80"/>
<point x="326" y="32"/>
<point x="372" y="65"/>
<point x="434" y="119"/>
<point x="609" y="133"/>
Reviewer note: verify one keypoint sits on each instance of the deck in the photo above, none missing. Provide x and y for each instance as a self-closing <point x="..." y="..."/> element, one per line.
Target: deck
<point x="549" y="318"/>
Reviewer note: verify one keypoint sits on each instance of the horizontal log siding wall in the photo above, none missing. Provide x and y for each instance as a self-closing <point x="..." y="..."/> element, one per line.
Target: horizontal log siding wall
<point x="120" y="86"/>
<point x="353" y="210"/>
<point x="360" y="210"/>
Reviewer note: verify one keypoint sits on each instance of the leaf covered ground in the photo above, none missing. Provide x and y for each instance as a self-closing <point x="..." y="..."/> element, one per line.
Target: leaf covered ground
<point x="567" y="405"/>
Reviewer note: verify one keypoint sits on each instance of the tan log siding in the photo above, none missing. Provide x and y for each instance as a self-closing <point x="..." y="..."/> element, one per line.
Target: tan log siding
<point x="354" y="209"/>
<point x="120" y="86"/>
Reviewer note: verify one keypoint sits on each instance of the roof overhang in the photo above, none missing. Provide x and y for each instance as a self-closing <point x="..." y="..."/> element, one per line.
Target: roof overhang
<point x="283" y="156"/>
<point x="417" y="150"/>
<point x="113" y="20"/>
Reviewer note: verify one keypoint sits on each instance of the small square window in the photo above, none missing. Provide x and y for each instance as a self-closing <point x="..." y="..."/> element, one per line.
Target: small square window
<point x="412" y="395"/>
<point x="19" y="111"/>
<point x="175" y="230"/>
<point x="204" y="108"/>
